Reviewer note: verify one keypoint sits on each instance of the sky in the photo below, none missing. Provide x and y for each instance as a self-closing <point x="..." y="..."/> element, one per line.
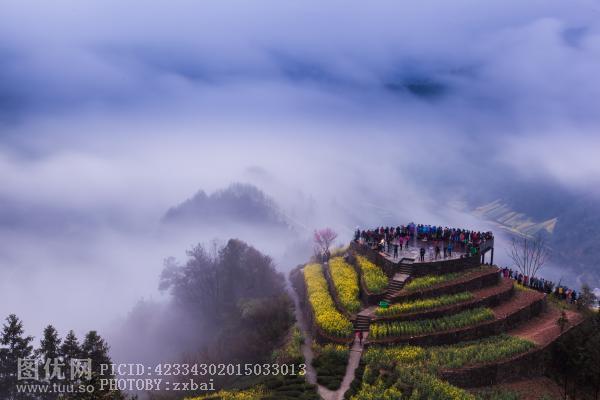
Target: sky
<point x="111" y="112"/>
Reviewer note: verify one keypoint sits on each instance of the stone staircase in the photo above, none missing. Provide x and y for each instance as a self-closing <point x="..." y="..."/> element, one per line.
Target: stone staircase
<point x="405" y="269"/>
<point x="362" y="323"/>
<point x="397" y="282"/>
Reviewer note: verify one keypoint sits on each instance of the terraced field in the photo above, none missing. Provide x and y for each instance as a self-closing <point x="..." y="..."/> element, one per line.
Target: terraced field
<point x="326" y="316"/>
<point x="441" y="333"/>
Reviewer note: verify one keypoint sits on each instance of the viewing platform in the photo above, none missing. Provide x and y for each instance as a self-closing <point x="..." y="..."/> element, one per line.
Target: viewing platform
<point x="409" y="260"/>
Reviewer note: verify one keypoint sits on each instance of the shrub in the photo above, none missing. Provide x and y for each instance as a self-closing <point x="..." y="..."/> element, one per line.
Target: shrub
<point x="345" y="281"/>
<point x="378" y="390"/>
<point x="330" y="364"/>
<point x="375" y="279"/>
<point x="327" y="317"/>
<point x="289" y="387"/>
<point x="291" y="352"/>
<point x="425" y="326"/>
<point x="423" y="304"/>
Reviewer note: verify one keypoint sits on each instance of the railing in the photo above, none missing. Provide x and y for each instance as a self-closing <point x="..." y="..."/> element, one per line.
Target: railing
<point x="486" y="246"/>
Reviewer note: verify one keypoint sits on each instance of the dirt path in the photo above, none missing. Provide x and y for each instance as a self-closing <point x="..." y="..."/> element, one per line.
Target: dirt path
<point x="311" y="374"/>
<point x="543" y="329"/>
<point x="307" y="352"/>
<point x="521" y="299"/>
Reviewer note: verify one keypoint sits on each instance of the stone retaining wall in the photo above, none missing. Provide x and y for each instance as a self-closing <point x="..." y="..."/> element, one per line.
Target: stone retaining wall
<point x="386" y="265"/>
<point x="484" y="329"/>
<point x="469" y="283"/>
<point x="489" y="301"/>
<point x="524" y="366"/>
<point x="419" y="269"/>
<point x="445" y="266"/>
<point x="531" y="364"/>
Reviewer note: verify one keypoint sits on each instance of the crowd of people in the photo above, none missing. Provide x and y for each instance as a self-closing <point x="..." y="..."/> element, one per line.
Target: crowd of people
<point x="444" y="242"/>
<point x="439" y="240"/>
<point x="540" y="284"/>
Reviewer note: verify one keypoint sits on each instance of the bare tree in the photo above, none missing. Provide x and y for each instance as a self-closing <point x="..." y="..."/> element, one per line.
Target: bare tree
<point x="529" y="254"/>
<point x="324" y="238"/>
<point x="587" y="298"/>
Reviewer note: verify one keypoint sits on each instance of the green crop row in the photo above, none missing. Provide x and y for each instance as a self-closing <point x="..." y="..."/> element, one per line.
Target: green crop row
<point x="428" y="281"/>
<point x="375" y="279"/>
<point x="345" y="281"/>
<point x="425" y="326"/>
<point x="478" y="352"/>
<point x="423" y="304"/>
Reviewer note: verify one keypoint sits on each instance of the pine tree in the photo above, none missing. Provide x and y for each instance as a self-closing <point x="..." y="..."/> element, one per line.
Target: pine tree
<point x="53" y="369"/>
<point x="16" y="346"/>
<point x="70" y="348"/>
<point x="49" y="346"/>
<point x="96" y="349"/>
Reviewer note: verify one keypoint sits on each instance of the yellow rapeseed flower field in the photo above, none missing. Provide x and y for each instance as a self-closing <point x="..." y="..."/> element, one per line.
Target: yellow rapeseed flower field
<point x="345" y="280"/>
<point x="327" y="317"/>
<point x="375" y="279"/>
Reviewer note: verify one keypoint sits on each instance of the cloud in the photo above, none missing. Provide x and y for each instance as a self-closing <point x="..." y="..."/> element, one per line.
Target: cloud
<point x="113" y="111"/>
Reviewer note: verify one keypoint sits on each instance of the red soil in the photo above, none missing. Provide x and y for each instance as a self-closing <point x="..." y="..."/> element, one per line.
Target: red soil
<point x="503" y="285"/>
<point x="521" y="299"/>
<point x="543" y="329"/>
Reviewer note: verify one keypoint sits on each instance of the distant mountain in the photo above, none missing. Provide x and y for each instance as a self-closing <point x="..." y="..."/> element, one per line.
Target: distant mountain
<point x="577" y="238"/>
<point x="237" y="204"/>
<point x="513" y="221"/>
<point x="572" y="230"/>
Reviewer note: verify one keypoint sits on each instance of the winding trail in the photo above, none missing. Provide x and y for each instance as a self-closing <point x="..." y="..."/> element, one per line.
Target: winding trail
<point x="311" y="373"/>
